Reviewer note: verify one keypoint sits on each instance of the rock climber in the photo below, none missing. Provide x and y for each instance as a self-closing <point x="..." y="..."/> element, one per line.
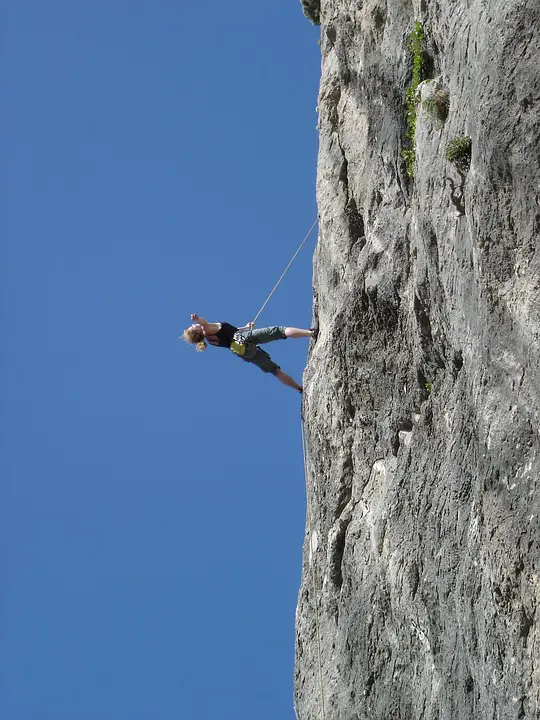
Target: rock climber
<point x="244" y="342"/>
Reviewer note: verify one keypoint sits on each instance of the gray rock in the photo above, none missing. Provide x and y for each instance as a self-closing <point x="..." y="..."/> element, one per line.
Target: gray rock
<point x="422" y="393"/>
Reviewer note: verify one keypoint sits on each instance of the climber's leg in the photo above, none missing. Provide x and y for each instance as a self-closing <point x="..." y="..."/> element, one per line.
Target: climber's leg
<point x="291" y="332"/>
<point x="287" y="380"/>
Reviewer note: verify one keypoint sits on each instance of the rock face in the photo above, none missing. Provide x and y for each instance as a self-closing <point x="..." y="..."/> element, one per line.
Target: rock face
<point x="422" y="394"/>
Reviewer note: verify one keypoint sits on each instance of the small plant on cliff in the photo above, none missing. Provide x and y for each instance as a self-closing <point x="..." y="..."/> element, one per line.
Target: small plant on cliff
<point x="458" y="152"/>
<point x="417" y="49"/>
<point x="437" y="106"/>
<point x="312" y="10"/>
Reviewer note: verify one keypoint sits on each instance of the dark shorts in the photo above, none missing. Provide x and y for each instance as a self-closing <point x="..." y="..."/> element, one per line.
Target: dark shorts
<point x="256" y="355"/>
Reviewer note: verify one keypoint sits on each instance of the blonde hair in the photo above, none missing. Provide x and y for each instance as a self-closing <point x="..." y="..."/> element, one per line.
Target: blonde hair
<point x="195" y="337"/>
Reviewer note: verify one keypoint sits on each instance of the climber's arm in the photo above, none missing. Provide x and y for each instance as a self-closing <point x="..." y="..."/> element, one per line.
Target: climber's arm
<point x="209" y="328"/>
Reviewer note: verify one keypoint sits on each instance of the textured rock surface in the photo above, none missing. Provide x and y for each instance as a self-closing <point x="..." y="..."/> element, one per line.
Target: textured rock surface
<point x="422" y="393"/>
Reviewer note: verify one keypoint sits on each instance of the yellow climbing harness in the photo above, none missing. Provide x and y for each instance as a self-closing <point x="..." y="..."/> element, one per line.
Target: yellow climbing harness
<point x="238" y="347"/>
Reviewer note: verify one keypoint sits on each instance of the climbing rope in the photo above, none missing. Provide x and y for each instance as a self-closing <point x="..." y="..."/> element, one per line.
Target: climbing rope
<point x="313" y="566"/>
<point x="284" y="272"/>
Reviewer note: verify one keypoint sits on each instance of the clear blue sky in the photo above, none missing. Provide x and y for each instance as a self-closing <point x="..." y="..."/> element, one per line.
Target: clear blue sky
<point x="158" y="159"/>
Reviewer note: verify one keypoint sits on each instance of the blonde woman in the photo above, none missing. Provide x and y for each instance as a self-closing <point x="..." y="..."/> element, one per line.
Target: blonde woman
<point x="244" y="342"/>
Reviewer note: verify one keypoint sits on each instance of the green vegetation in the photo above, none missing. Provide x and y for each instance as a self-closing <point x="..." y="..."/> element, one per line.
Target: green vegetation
<point x="429" y="387"/>
<point x="312" y="10"/>
<point x="458" y="152"/>
<point x="417" y="49"/>
<point x="437" y="106"/>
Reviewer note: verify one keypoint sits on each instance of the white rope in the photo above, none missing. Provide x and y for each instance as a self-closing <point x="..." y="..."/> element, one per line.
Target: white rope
<point x="313" y="573"/>
<point x="284" y="272"/>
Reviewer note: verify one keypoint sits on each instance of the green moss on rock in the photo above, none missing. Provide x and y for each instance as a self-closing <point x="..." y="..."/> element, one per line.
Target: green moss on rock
<point x="458" y="152"/>
<point x="312" y="10"/>
<point x="417" y="49"/>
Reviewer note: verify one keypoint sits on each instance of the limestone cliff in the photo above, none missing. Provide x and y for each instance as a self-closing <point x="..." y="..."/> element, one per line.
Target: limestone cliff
<point x="422" y="392"/>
